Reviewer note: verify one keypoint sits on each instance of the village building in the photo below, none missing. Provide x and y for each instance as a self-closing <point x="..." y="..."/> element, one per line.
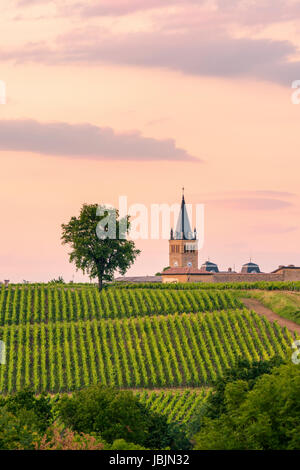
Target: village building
<point x="183" y="262"/>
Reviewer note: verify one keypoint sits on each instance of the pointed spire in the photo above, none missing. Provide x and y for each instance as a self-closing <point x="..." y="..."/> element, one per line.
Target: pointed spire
<point x="183" y="228"/>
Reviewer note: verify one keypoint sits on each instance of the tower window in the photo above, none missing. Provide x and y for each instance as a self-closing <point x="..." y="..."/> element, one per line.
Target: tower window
<point x="189" y="247"/>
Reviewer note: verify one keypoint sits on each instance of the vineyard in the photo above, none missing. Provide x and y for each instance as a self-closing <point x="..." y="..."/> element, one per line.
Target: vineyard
<point x="27" y="304"/>
<point x="177" y="406"/>
<point x="261" y="285"/>
<point x="59" y="340"/>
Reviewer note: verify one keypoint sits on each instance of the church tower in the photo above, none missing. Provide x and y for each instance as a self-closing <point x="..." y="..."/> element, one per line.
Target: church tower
<point x="183" y="245"/>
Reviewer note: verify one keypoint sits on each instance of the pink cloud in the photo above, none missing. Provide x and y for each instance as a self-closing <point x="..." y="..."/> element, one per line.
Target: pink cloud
<point x="86" y="141"/>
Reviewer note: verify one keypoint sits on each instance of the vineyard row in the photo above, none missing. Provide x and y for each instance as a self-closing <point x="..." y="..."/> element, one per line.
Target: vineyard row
<point x="21" y="305"/>
<point x="157" y="351"/>
<point x="177" y="406"/>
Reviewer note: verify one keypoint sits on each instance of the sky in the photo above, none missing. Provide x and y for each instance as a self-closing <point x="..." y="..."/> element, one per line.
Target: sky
<point x="139" y="98"/>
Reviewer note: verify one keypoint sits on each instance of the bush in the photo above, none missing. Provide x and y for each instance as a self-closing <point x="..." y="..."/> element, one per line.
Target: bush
<point x="116" y="414"/>
<point x="25" y="400"/>
<point x="215" y="405"/>
<point x="60" y="438"/>
<point x="266" y="417"/>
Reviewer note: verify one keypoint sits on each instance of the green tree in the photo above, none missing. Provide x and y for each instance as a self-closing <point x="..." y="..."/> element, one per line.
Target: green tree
<point x="164" y="269"/>
<point x="60" y="280"/>
<point x="99" y="257"/>
<point x="120" y="444"/>
<point x="267" y="417"/>
<point x="115" y="414"/>
<point x="23" y="418"/>
<point x="17" y="432"/>
<point x="215" y="405"/>
<point x="25" y="400"/>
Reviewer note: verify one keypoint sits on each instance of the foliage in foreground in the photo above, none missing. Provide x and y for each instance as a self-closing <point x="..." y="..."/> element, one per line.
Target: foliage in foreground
<point x="23" y="418"/>
<point x="94" y="418"/>
<point x="58" y="437"/>
<point x="260" y="414"/>
<point x="116" y="414"/>
<point x="255" y="406"/>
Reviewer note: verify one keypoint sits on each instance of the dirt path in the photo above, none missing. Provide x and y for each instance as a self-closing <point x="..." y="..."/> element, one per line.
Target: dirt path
<point x="258" y="307"/>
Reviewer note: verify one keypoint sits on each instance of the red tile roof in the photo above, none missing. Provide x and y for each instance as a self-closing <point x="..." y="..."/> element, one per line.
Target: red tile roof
<point x="186" y="270"/>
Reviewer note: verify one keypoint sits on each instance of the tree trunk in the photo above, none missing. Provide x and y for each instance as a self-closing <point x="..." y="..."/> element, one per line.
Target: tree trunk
<point x="100" y="284"/>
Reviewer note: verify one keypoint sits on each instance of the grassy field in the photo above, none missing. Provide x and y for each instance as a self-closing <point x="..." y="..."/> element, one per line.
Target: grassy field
<point x="285" y="304"/>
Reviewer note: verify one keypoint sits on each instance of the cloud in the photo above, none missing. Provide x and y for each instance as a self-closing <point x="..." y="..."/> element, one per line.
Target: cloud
<point x="264" y="229"/>
<point x="195" y="52"/>
<point x="86" y="140"/>
<point x="274" y="193"/>
<point x="250" y="204"/>
<point x="250" y="12"/>
<point x="259" y="12"/>
<point x="24" y="3"/>
<point x="183" y="13"/>
<point x="123" y="7"/>
<point x="95" y="8"/>
<point x="254" y="193"/>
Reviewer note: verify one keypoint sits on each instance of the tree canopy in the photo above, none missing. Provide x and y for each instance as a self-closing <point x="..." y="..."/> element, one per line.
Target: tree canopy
<point x="94" y="248"/>
<point x="115" y="414"/>
<point x="263" y="418"/>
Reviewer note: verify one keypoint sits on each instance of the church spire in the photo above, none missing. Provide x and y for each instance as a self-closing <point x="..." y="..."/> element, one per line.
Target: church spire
<point x="183" y="228"/>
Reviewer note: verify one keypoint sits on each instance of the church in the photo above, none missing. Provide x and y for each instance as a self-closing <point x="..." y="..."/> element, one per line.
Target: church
<point x="183" y="261"/>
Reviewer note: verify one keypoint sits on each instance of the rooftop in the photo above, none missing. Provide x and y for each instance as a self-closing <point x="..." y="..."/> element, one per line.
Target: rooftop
<point x="139" y="279"/>
<point x="186" y="270"/>
<point x="290" y="266"/>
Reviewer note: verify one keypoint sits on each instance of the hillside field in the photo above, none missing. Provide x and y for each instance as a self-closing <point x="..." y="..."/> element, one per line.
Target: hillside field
<point x="284" y="304"/>
<point x="62" y="338"/>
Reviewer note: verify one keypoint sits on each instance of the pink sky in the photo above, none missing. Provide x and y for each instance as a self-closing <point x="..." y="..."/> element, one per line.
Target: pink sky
<point x="140" y="98"/>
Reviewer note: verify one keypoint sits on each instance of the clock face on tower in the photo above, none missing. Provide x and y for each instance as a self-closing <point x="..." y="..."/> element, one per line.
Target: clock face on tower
<point x="175" y="264"/>
<point x="190" y="264"/>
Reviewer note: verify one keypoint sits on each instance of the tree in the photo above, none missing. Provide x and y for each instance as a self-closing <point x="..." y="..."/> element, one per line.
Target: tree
<point x="99" y="256"/>
<point x="58" y="437"/>
<point x="215" y="404"/>
<point x="159" y="274"/>
<point x="115" y="414"/>
<point x="266" y="417"/>
<point x="60" y="280"/>
<point x="17" y="432"/>
<point x="26" y="401"/>
<point x="23" y="417"/>
<point x="120" y="444"/>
